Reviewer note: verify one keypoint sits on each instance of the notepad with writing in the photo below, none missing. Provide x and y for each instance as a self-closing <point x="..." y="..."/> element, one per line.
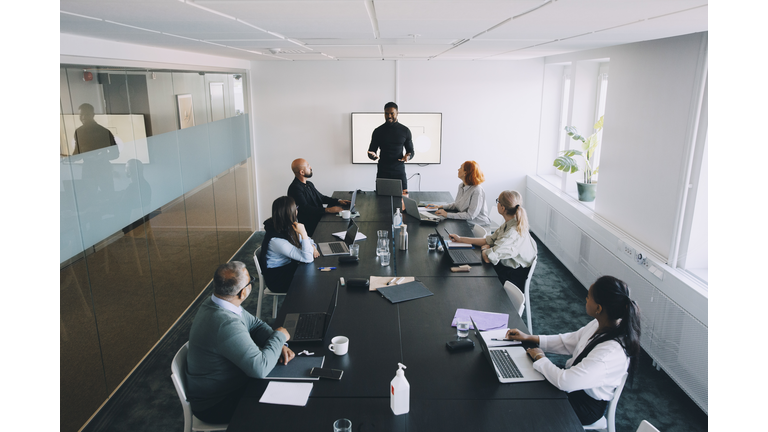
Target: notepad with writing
<point x="404" y="292"/>
<point x="297" y="369"/>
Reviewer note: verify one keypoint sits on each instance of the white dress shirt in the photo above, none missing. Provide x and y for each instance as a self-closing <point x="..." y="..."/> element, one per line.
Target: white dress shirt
<point x="598" y="374"/>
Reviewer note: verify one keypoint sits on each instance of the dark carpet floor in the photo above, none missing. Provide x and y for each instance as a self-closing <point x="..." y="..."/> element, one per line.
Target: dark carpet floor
<point x="147" y="401"/>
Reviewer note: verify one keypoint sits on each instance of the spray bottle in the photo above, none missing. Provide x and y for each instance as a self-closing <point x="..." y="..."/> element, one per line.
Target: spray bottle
<point x="400" y="392"/>
<point x="397" y="219"/>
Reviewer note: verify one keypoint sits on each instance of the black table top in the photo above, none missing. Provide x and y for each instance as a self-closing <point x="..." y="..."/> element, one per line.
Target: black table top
<point x="449" y="391"/>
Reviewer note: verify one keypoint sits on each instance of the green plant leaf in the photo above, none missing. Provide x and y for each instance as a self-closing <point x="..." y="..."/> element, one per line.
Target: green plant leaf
<point x="599" y="124"/>
<point x="566" y="163"/>
<point x="573" y="133"/>
<point x="571" y="153"/>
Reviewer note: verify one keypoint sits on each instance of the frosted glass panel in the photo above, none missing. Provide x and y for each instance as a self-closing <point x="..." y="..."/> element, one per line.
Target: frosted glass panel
<point x="164" y="173"/>
<point x="194" y="156"/>
<point x="222" y="146"/>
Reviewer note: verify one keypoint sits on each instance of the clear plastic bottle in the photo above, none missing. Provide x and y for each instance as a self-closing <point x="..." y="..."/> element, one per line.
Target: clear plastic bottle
<point x="400" y="392"/>
<point x="397" y="219"/>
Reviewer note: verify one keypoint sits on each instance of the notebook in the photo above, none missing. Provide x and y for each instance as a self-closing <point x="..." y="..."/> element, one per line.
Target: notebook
<point x="405" y="291"/>
<point x="340" y="247"/>
<point x="297" y="369"/>
<point x="389" y="187"/>
<point x="311" y="326"/>
<point x="511" y="364"/>
<point x="412" y="209"/>
<point x="461" y="256"/>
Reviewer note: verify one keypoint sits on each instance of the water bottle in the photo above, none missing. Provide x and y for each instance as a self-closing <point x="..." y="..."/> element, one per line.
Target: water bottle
<point x="403" y="241"/>
<point x="397" y="219"/>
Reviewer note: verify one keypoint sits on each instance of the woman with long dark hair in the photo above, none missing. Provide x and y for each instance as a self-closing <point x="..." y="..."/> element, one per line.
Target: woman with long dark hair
<point x="603" y="350"/>
<point x="510" y="248"/>
<point x="285" y="245"/>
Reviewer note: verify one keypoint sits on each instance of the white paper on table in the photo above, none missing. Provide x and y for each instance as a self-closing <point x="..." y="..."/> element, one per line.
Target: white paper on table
<point x="343" y="234"/>
<point x="497" y="334"/>
<point x="456" y="245"/>
<point x="286" y="393"/>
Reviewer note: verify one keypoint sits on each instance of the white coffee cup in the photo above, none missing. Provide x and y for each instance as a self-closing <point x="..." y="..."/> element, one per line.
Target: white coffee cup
<point x="339" y="345"/>
<point x="345" y="214"/>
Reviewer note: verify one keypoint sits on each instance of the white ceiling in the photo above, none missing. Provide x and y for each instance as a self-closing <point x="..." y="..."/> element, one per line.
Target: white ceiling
<point x="382" y="29"/>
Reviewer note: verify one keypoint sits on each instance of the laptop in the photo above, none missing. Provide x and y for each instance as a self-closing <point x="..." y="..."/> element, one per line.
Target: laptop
<point x="462" y="256"/>
<point x="352" y="202"/>
<point x="310" y="326"/>
<point x="511" y="364"/>
<point x="340" y="247"/>
<point x="412" y="208"/>
<point x="389" y="187"/>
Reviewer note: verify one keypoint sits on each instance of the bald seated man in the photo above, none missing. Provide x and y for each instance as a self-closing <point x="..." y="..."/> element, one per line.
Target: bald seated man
<point x="227" y="345"/>
<point x="308" y="199"/>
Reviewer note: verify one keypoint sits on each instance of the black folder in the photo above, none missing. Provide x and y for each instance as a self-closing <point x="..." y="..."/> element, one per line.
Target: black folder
<point x="405" y="292"/>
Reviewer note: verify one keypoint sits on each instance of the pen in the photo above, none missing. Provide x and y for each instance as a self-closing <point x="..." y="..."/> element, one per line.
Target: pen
<point x="446" y="231"/>
<point x="392" y="281"/>
<point x="399" y="281"/>
<point x="326" y="268"/>
<point x="504" y="340"/>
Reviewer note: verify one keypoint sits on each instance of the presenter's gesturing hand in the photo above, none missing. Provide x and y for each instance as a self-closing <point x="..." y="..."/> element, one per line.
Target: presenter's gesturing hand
<point x="372" y="155"/>
<point x="404" y="158"/>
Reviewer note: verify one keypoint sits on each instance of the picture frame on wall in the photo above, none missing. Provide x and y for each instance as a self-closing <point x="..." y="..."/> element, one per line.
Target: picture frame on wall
<point x="186" y="112"/>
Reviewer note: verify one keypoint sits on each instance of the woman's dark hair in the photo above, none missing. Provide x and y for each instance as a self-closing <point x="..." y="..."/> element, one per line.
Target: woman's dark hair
<point x="613" y="295"/>
<point x="283" y="217"/>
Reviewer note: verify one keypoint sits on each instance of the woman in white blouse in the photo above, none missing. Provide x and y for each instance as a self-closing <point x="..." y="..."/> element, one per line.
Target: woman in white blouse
<point x="470" y="198"/>
<point x="285" y="245"/>
<point x="603" y="350"/>
<point x="511" y="248"/>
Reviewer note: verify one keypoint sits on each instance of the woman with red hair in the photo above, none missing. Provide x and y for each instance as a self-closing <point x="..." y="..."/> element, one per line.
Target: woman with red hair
<point x="470" y="199"/>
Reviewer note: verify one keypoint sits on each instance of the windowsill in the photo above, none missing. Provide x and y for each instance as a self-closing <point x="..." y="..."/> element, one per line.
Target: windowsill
<point x="556" y="181"/>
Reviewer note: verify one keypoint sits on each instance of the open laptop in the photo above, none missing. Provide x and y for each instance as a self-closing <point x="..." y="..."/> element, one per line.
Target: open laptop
<point x="412" y="208"/>
<point x="340" y="247"/>
<point x="511" y="363"/>
<point x="389" y="187"/>
<point x="352" y="202"/>
<point x="311" y="326"/>
<point x="463" y="255"/>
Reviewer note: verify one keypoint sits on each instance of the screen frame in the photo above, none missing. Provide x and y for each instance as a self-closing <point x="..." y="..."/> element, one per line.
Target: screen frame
<point x="365" y="120"/>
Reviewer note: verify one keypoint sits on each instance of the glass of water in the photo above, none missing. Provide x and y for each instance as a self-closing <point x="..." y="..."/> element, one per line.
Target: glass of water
<point x="354" y="250"/>
<point x="382" y="245"/>
<point x="385" y="258"/>
<point x="342" y="425"/>
<point x="462" y="329"/>
<point x="432" y="242"/>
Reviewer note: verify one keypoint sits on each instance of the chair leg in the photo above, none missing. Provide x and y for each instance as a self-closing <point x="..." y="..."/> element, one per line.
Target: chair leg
<point x="274" y="307"/>
<point x="258" y="304"/>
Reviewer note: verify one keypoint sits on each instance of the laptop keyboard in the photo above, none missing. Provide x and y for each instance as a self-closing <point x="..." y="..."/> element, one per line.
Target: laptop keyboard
<point x="337" y="247"/>
<point x="505" y="364"/>
<point x="309" y="326"/>
<point x="463" y="257"/>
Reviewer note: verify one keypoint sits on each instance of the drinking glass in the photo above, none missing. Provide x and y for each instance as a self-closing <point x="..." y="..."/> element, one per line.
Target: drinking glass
<point x="385" y="258"/>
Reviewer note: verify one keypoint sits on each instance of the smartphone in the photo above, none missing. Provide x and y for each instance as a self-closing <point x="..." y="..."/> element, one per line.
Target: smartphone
<point x="326" y="373"/>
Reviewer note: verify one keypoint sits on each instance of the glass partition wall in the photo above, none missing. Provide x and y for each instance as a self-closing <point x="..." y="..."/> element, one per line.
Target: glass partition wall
<point x="156" y="191"/>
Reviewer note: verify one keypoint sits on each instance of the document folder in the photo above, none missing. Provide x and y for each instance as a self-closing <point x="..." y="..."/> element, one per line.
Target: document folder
<point x="297" y="369"/>
<point x="405" y="292"/>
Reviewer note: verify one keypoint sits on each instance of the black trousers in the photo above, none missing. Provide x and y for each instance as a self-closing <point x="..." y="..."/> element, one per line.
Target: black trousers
<point x="515" y="275"/>
<point x="279" y="279"/>
<point x="588" y="409"/>
<point x="221" y="412"/>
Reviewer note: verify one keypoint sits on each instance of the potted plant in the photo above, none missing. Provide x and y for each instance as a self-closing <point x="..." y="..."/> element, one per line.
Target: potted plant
<point x="566" y="163"/>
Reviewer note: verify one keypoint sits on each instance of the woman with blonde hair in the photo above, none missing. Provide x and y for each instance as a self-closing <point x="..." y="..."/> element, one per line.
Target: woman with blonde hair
<point x="510" y="248"/>
<point x="470" y="199"/>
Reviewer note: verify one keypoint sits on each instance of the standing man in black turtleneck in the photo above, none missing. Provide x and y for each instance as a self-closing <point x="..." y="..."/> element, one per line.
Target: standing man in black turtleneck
<point x="390" y="139"/>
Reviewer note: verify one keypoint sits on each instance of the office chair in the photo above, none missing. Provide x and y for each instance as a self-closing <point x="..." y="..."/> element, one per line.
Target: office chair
<point x="478" y="231"/>
<point x="516" y="296"/>
<point x="609" y="423"/>
<point x="528" y="295"/>
<point x="179" y="378"/>
<point x="646" y="427"/>
<point x="263" y="290"/>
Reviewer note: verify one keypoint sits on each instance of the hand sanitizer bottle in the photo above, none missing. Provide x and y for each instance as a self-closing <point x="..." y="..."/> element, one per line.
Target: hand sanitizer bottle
<point x="400" y="392"/>
<point x="397" y="219"/>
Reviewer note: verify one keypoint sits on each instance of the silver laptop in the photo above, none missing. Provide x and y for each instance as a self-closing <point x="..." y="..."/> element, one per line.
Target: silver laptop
<point x="389" y="187"/>
<point x="461" y="256"/>
<point x="311" y="326"/>
<point x="412" y="208"/>
<point x="340" y="247"/>
<point x="511" y="364"/>
<point x="352" y="202"/>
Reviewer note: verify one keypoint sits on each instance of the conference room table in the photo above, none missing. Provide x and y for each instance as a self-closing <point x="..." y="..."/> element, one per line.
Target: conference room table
<point x="449" y="391"/>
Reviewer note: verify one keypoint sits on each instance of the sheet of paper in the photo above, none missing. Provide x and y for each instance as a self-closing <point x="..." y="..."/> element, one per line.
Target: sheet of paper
<point x="484" y="320"/>
<point x="286" y="393"/>
<point x="343" y="234"/>
<point x="454" y="245"/>
<point x="497" y="334"/>
<point x="377" y="282"/>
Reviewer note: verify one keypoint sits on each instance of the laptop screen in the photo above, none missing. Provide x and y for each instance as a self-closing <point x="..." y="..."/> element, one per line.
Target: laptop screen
<point x="351" y="233"/>
<point x="352" y="201"/>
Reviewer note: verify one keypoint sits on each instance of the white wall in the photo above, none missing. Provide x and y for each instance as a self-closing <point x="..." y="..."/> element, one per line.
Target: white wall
<point x="649" y="118"/>
<point x="302" y="109"/>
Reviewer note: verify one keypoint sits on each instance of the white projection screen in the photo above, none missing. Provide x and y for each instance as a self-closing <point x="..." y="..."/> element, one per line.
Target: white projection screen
<point x="426" y="131"/>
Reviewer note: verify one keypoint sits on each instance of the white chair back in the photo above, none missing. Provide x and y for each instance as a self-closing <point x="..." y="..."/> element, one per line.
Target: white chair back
<point x="515" y="296"/>
<point x="646" y="427"/>
<point x="179" y="378"/>
<point x="479" y="231"/>
<point x="263" y="290"/>
<point x="609" y="422"/>
<point x="528" y="295"/>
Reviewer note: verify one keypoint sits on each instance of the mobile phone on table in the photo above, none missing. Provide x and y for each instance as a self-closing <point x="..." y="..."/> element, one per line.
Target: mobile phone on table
<point x="326" y="373"/>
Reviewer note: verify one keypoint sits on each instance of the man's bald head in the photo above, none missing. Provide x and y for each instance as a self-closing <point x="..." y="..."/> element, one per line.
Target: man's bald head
<point x="301" y="169"/>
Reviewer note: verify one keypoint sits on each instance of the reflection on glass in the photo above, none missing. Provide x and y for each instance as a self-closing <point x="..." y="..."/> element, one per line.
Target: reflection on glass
<point x="225" y="198"/>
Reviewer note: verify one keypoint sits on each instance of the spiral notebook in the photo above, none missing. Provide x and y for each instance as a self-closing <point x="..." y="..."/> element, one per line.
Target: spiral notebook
<point x="404" y="292"/>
